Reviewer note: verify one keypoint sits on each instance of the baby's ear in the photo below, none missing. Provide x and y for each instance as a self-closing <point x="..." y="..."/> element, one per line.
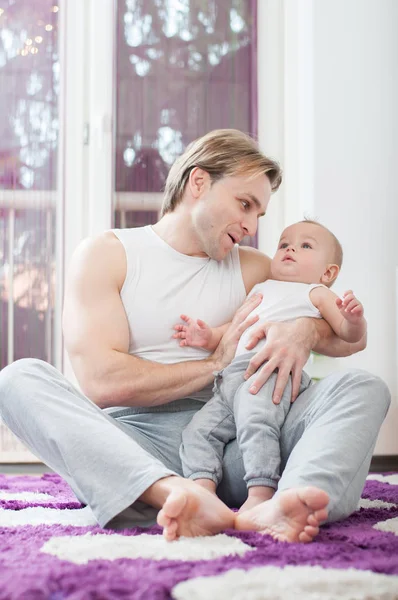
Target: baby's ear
<point x="330" y="274"/>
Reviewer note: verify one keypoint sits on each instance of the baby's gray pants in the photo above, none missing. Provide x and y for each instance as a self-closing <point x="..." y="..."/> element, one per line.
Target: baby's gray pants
<point x="233" y="412"/>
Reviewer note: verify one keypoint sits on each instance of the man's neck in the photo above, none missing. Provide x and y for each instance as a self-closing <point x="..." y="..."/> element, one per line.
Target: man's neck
<point x="176" y="230"/>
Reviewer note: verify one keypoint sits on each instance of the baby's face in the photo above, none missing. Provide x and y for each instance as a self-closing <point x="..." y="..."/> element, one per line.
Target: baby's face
<point x="305" y="251"/>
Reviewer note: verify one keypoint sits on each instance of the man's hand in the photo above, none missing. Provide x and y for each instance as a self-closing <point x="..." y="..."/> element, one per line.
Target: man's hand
<point x="226" y="349"/>
<point x="195" y="333"/>
<point x="287" y="348"/>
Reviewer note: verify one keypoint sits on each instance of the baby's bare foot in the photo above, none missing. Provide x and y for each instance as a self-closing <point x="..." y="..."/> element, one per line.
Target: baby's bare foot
<point x="191" y="511"/>
<point x="291" y="516"/>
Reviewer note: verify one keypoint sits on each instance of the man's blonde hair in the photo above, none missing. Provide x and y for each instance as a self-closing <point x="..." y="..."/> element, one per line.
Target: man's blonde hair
<point x="221" y="153"/>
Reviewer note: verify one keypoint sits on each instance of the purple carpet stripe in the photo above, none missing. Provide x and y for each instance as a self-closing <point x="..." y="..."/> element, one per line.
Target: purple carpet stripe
<point x="27" y="572"/>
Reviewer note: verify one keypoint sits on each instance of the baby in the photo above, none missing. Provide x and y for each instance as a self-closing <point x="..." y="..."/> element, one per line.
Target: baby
<point x="305" y="265"/>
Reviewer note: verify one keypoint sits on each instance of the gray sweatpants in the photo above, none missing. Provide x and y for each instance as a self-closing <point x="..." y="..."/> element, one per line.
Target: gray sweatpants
<point x="110" y="457"/>
<point x="233" y="412"/>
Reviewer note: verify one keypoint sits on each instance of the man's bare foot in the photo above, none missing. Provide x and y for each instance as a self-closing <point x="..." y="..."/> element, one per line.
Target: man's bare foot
<point x="291" y="516"/>
<point x="190" y="510"/>
<point x="257" y="495"/>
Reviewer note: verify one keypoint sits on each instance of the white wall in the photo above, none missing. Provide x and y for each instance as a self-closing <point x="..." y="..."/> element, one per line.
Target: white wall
<point x="339" y="124"/>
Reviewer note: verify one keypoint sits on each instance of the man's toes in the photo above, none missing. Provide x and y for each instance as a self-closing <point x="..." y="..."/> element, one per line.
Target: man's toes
<point x="308" y="534"/>
<point x="311" y="531"/>
<point x="162" y="519"/>
<point x="168" y="536"/>
<point x="314" y="498"/>
<point x="175" y="504"/>
<point x="170" y="532"/>
<point x="321" y="515"/>
<point x="311" y="520"/>
<point x="173" y="527"/>
<point x="305" y="538"/>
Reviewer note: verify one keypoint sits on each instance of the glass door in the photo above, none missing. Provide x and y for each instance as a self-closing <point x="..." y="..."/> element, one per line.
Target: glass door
<point x="29" y="187"/>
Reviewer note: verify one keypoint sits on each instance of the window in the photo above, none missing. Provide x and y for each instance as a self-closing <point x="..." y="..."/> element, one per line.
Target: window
<point x="184" y="67"/>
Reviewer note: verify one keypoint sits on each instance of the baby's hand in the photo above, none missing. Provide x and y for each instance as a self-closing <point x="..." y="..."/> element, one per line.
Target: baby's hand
<point x="196" y="334"/>
<point x="350" y="307"/>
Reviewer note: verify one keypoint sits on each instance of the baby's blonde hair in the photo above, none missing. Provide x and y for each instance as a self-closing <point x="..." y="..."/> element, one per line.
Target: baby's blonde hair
<point x="337" y="257"/>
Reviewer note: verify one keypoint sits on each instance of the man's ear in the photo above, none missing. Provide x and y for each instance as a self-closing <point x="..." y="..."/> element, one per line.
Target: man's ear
<point x="330" y="274"/>
<point x="198" y="182"/>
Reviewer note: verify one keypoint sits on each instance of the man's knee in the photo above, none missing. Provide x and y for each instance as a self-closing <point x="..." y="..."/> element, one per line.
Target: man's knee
<point x="21" y="368"/>
<point x="349" y="392"/>
<point x="368" y="388"/>
<point x="16" y="375"/>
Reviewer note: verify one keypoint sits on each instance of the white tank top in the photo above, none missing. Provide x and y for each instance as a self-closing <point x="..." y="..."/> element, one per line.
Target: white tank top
<point x="161" y="284"/>
<point x="282" y="301"/>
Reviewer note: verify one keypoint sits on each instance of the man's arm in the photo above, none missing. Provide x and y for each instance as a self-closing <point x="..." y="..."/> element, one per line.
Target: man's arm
<point x="329" y="344"/>
<point x="97" y="336"/>
<point x="287" y="349"/>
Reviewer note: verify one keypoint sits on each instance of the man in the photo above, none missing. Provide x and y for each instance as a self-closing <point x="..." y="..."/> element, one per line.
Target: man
<point x="117" y="445"/>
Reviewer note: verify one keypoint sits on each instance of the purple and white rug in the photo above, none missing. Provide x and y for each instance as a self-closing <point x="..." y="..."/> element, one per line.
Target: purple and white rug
<point x="51" y="549"/>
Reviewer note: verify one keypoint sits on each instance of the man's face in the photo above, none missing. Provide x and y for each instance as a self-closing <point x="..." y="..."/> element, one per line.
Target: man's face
<point x="304" y="252"/>
<point x="228" y="211"/>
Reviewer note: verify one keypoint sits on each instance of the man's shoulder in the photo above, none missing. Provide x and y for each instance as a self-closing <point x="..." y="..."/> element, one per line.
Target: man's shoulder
<point x="105" y="240"/>
<point x="255" y="266"/>
<point x="103" y="254"/>
<point x="104" y="247"/>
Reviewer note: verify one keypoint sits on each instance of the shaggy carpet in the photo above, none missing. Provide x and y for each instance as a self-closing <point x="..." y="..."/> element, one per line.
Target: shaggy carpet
<point x="51" y="549"/>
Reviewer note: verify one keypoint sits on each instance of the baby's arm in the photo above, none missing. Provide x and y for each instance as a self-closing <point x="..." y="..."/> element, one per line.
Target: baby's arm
<point x="197" y="334"/>
<point x="345" y="316"/>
